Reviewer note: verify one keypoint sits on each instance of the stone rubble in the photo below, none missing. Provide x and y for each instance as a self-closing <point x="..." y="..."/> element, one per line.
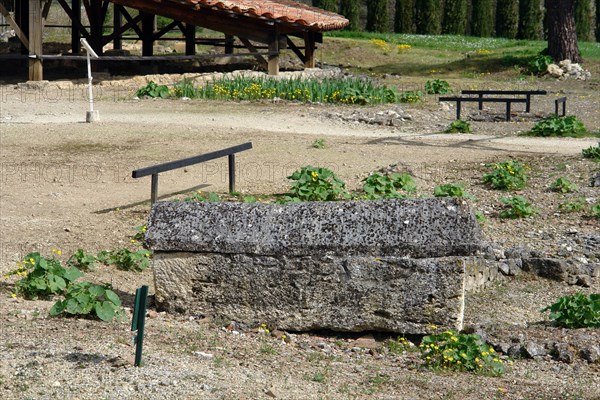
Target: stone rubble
<point x="568" y="70"/>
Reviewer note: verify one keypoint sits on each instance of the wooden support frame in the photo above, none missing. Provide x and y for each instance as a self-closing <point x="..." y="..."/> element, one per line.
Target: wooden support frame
<point x="14" y="26"/>
<point x="148" y="34"/>
<point x="36" y="28"/>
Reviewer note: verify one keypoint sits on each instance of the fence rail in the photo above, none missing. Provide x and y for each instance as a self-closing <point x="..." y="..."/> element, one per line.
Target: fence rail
<point x="154" y="170"/>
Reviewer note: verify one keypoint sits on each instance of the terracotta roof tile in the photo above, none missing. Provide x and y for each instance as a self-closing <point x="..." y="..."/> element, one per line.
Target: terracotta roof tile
<point x="282" y="10"/>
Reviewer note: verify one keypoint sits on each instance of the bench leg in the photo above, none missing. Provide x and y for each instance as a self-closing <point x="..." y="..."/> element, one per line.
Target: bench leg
<point x="480" y="102"/>
<point x="528" y="103"/>
<point x="508" y="110"/>
<point x="457" y="109"/>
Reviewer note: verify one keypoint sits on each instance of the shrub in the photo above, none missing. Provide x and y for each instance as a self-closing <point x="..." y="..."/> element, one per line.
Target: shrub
<point x="82" y="261"/>
<point x="576" y="311"/>
<point x="563" y="185"/>
<point x="210" y="197"/>
<point x="86" y="298"/>
<point x="125" y="259"/>
<point x="437" y="86"/>
<point x="482" y="21"/>
<point x="554" y="125"/>
<point x="596" y="210"/>
<point x="185" y="88"/>
<point x="572" y="206"/>
<point x="539" y="64"/>
<point x="459" y="126"/>
<point x="318" y="144"/>
<point x="450" y="350"/>
<point x="507" y="18"/>
<point x="377" y="16"/>
<point x="449" y="190"/>
<point x="507" y="175"/>
<point x="429" y="16"/>
<point x="315" y="184"/>
<point x="519" y="207"/>
<point x="153" y="90"/>
<point x="530" y="14"/>
<point x="351" y="10"/>
<point x="404" y="16"/>
<point x="410" y="96"/>
<point x="592" y="153"/>
<point x="455" y="17"/>
<point x="377" y="186"/>
<point x="42" y="277"/>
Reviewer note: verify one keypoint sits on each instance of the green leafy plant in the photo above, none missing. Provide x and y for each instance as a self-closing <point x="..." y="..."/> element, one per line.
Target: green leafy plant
<point x="596" y="210"/>
<point x="450" y="350"/>
<point x="572" y="206"/>
<point x="576" y="311"/>
<point x="201" y="198"/>
<point x="319" y="143"/>
<point x="140" y="232"/>
<point x="507" y="175"/>
<point x="459" y="126"/>
<point x="315" y="184"/>
<point x="82" y="261"/>
<point x="86" y="298"/>
<point x="42" y="277"/>
<point x="563" y="185"/>
<point x="539" y="64"/>
<point x="377" y="186"/>
<point x="479" y="216"/>
<point x="410" y="96"/>
<point x="399" y="346"/>
<point x="125" y="259"/>
<point x="185" y="88"/>
<point x="554" y="125"/>
<point x="437" y="86"/>
<point x="153" y="90"/>
<point x="518" y="207"/>
<point x="450" y="190"/>
<point x="592" y="153"/>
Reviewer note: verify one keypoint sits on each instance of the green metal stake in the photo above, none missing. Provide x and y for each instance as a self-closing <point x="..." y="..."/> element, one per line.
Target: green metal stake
<point x="138" y="322"/>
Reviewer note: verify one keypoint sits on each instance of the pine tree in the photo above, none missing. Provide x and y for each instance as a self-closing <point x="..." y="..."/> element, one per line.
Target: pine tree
<point x="350" y="9"/>
<point x="482" y="18"/>
<point x="597" y="20"/>
<point x="530" y="19"/>
<point x="404" y="17"/>
<point x="429" y="16"/>
<point x="455" y="17"/>
<point x="329" y="5"/>
<point x="583" y="16"/>
<point x="507" y="18"/>
<point x="377" y="16"/>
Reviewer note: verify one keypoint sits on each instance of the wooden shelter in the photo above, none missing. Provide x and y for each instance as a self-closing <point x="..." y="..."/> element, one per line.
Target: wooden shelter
<point x="264" y="27"/>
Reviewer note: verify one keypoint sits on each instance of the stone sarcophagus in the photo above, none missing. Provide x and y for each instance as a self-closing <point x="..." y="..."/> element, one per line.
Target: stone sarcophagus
<point x="390" y="265"/>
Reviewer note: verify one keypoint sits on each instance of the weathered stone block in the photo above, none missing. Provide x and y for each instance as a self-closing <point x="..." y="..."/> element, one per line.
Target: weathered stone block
<point x="346" y="266"/>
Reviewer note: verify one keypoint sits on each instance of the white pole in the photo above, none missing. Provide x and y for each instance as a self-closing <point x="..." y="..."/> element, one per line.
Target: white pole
<point x="91" y="115"/>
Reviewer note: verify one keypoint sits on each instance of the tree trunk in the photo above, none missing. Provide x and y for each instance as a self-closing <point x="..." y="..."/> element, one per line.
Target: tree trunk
<point x="562" y="35"/>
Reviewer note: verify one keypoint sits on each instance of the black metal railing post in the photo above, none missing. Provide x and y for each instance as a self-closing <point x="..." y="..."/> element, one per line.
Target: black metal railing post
<point x="138" y="322"/>
<point x="231" y="160"/>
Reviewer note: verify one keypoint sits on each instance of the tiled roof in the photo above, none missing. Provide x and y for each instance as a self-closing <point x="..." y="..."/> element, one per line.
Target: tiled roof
<point x="282" y="10"/>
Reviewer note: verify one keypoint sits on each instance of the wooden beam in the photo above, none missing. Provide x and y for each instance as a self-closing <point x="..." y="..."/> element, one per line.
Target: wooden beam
<point x="36" y="27"/>
<point x="190" y="39"/>
<point x="229" y="40"/>
<point x="296" y="50"/>
<point x="46" y="9"/>
<point x="148" y="34"/>
<point x="263" y="63"/>
<point x="117" y="23"/>
<point x="75" y="25"/>
<point x="96" y="18"/>
<point x="131" y="23"/>
<point x="13" y="24"/>
<point x="254" y="29"/>
<point x="22" y="19"/>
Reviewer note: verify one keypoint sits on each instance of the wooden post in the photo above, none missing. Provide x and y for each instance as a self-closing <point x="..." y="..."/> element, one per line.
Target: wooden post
<point x="229" y="39"/>
<point x="117" y="23"/>
<point x="36" y="27"/>
<point x="148" y="34"/>
<point x="190" y="40"/>
<point x="96" y="21"/>
<point x="309" y="50"/>
<point x="273" y="63"/>
<point x="22" y="18"/>
<point x="75" y="20"/>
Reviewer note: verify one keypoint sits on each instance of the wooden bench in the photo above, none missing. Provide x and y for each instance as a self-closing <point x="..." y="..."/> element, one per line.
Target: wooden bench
<point x="481" y="98"/>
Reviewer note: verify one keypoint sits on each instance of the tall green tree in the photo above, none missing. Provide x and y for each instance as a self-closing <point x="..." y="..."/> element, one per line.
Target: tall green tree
<point x="377" y="16"/>
<point x="507" y="18"/>
<point x="530" y="19"/>
<point x="482" y="18"/>
<point x="583" y="19"/>
<point x="329" y="5"/>
<point x="404" y="16"/>
<point x="351" y="10"/>
<point x="429" y="16"/>
<point x="455" y="17"/>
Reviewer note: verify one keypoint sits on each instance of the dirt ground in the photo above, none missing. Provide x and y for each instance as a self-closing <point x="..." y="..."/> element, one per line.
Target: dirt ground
<point x="66" y="184"/>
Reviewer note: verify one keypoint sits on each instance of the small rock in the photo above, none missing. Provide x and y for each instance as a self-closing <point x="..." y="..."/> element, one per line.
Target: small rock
<point x="269" y="392"/>
<point x="534" y="350"/>
<point x="201" y="354"/>
<point x="515" y="350"/>
<point x="590" y="354"/>
<point x="152" y="314"/>
<point x="584" y="280"/>
<point x="563" y="354"/>
<point x="366" y="342"/>
<point x="56" y="384"/>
